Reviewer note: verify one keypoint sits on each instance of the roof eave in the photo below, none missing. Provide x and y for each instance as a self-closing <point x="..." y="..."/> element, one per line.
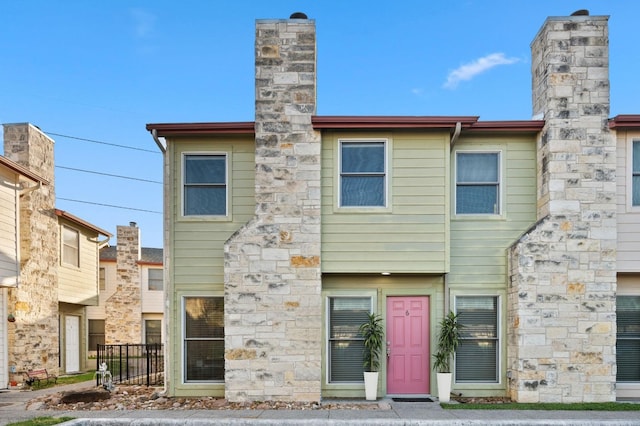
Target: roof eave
<point x="390" y="122"/>
<point x="82" y="222"/>
<point x="21" y="170"/>
<point x="187" y="129"/>
<point x="625" y="121"/>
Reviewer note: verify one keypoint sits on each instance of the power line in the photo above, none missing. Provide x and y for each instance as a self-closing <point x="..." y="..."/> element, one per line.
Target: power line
<point x="108" y="174"/>
<point x="104" y="143"/>
<point x="108" y="205"/>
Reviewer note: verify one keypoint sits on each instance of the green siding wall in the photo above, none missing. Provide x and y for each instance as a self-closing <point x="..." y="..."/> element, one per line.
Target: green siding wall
<point x="411" y="234"/>
<point x="198" y="243"/>
<point x="478" y="244"/>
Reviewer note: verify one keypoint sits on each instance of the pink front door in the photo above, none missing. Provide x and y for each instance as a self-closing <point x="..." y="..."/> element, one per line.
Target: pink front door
<point x="408" y="345"/>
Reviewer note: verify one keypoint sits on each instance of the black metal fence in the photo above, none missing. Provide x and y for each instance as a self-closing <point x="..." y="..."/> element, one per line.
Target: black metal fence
<point x="132" y="364"/>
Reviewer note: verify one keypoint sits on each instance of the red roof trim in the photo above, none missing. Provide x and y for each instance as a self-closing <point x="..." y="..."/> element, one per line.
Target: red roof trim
<point x="21" y="170"/>
<point x="149" y="263"/>
<point x="508" y="126"/>
<point x="182" y="129"/>
<point x="625" y="121"/>
<point x="82" y="222"/>
<point x="391" y="122"/>
<point x="355" y="122"/>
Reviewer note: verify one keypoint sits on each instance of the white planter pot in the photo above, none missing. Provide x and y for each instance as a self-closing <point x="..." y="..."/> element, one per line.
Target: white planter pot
<point x="371" y="385"/>
<point x="444" y="386"/>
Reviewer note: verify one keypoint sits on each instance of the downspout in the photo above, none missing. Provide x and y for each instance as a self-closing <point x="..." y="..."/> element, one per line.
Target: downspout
<point x="154" y="134"/>
<point x="101" y="244"/>
<point x="447" y="306"/>
<point x="456" y="134"/>
<point x="29" y="189"/>
<point x="165" y="267"/>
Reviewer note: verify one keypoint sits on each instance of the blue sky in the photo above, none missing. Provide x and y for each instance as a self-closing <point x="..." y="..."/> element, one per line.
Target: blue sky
<point x="91" y="74"/>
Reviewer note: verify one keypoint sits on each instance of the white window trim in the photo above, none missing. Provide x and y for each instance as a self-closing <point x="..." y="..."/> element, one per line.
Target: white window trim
<point x="629" y="175"/>
<point x="501" y="340"/>
<point x="387" y="176"/>
<point x="62" y="246"/>
<point x="183" y="334"/>
<point x="152" y="317"/>
<point x="335" y="294"/>
<point x="227" y="162"/>
<point x="501" y="184"/>
<point x="148" y="278"/>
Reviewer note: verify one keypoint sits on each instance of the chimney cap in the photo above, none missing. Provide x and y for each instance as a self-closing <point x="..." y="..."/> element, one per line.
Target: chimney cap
<point x="581" y="12"/>
<point x="133" y="224"/>
<point x="298" y="15"/>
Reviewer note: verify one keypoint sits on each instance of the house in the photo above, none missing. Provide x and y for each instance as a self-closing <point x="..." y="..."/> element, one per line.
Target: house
<point x="130" y="308"/>
<point x="284" y="233"/>
<point x="53" y="264"/>
<point x="16" y="180"/>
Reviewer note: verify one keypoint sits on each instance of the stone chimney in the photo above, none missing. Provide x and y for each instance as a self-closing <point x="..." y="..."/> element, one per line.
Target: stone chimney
<point x="123" y="322"/>
<point x="561" y="301"/>
<point x="33" y="337"/>
<point x="273" y="315"/>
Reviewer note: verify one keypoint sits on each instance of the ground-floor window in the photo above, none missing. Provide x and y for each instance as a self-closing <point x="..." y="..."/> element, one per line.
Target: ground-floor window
<point x="345" y="314"/>
<point x="153" y="332"/>
<point x="477" y="354"/>
<point x="203" y="339"/>
<point x="96" y="334"/>
<point x="628" y="338"/>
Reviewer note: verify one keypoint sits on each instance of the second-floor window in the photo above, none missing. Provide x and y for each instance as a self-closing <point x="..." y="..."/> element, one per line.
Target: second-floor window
<point x="155" y="280"/>
<point x="477" y="183"/>
<point x="362" y="174"/>
<point x="205" y="185"/>
<point x="635" y="174"/>
<point x="70" y="247"/>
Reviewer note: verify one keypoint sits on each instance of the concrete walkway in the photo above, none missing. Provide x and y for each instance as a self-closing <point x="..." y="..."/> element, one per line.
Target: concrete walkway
<point x="13" y="408"/>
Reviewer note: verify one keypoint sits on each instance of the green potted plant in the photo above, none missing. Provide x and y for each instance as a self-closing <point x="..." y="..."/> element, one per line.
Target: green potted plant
<point x="448" y="341"/>
<point x="373" y="333"/>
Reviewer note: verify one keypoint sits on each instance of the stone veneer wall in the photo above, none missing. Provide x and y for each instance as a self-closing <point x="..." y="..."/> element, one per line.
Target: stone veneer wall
<point x="561" y="298"/>
<point x="33" y="337"/>
<point x="123" y="321"/>
<point x="272" y="303"/>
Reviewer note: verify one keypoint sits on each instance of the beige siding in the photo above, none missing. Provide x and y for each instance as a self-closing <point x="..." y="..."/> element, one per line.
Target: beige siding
<point x="411" y="234"/>
<point x="478" y="244"/>
<point x="151" y="300"/>
<point x="628" y="215"/>
<point x="98" y="312"/>
<point x="80" y="285"/>
<point x="8" y="229"/>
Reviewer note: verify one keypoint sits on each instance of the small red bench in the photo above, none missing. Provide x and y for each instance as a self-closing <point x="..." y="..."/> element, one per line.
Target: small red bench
<point x="35" y="376"/>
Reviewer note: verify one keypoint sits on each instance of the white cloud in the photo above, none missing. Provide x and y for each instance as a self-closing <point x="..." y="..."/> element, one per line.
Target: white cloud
<point x="480" y="65"/>
<point x="143" y="22"/>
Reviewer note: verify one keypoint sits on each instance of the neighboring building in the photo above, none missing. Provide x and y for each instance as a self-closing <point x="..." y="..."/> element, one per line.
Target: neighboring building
<point x="283" y="233"/>
<point x="55" y="257"/>
<point x="15" y="180"/>
<point x="130" y="308"/>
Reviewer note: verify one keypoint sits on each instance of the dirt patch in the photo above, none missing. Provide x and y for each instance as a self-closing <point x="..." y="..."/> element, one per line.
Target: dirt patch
<point x="148" y="398"/>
